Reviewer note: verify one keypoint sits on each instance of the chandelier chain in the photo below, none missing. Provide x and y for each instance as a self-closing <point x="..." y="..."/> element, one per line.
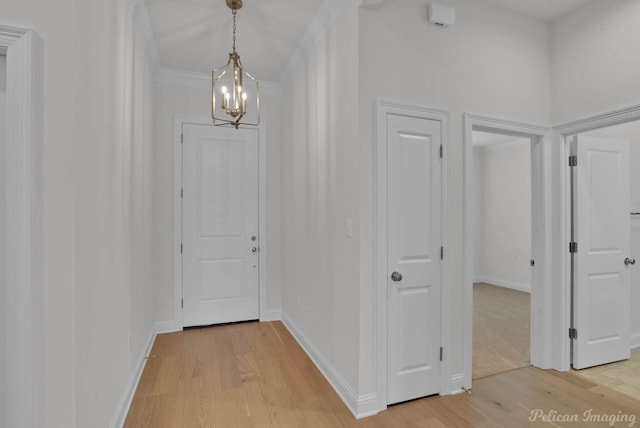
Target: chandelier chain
<point x="234" y="29"/>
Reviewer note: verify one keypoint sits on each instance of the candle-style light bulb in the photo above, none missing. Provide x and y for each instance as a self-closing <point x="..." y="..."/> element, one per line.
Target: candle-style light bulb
<point x="225" y="97"/>
<point x="244" y="102"/>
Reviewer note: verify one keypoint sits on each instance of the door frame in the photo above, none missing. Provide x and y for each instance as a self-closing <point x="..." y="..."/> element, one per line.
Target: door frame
<point x="179" y="122"/>
<point x="562" y="134"/>
<point x="382" y="109"/>
<point x="542" y="327"/>
<point x="25" y="71"/>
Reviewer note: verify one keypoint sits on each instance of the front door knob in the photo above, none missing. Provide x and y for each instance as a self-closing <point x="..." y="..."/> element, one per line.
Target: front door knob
<point x="629" y="261"/>
<point x="396" y="276"/>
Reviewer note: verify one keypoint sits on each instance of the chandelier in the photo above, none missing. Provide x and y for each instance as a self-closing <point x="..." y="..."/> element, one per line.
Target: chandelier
<point x="234" y="92"/>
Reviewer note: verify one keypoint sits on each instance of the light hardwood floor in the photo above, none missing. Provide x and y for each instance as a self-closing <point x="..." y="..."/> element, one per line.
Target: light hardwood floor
<point x="501" y="329"/>
<point x="623" y="376"/>
<point x="256" y="375"/>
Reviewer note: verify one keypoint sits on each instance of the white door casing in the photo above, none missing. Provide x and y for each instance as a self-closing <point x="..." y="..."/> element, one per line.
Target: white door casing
<point x="220" y="224"/>
<point x="601" y="288"/>
<point x="24" y="344"/>
<point x="414" y="257"/>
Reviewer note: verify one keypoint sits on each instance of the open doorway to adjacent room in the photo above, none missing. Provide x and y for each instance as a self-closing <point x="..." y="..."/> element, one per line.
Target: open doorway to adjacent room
<point x="624" y="375"/>
<point x="502" y="230"/>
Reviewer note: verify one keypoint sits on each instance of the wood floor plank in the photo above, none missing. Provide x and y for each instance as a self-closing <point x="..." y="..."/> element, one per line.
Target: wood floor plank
<point x="256" y="375"/>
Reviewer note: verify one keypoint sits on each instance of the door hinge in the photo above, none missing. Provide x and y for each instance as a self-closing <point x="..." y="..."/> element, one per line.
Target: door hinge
<point x="573" y="160"/>
<point x="573" y="247"/>
<point x="441" y="253"/>
<point x="441" y="353"/>
<point x="181" y="138"/>
<point x="573" y="333"/>
<point x="180" y="248"/>
<point x="441" y="151"/>
<point x="181" y="193"/>
<point x="182" y="303"/>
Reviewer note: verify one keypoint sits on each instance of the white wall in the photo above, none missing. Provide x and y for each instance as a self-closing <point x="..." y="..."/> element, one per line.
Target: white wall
<point x="320" y="187"/>
<point x="55" y="24"/>
<point x="492" y="62"/>
<point x="188" y="95"/>
<point x="631" y="132"/>
<point x="594" y="60"/>
<point x="502" y="230"/>
<point x="95" y="185"/>
<point x="3" y="324"/>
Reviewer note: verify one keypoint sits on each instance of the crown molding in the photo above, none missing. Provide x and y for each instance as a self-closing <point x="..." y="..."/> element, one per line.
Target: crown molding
<point x="192" y="79"/>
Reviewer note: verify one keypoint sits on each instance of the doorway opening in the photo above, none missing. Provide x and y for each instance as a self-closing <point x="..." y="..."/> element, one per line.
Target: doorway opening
<point x="502" y="230"/>
<point x="541" y="325"/>
<point x="621" y="375"/>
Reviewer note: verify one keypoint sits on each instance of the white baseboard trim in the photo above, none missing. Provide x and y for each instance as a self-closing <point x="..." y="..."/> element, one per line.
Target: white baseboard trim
<point x="635" y="340"/>
<point x="271" y="316"/>
<point x="361" y="406"/>
<point x="125" y="401"/>
<point x="502" y="283"/>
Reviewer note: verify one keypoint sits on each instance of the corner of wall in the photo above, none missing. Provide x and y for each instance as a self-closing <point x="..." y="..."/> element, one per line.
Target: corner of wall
<point x="360" y="405"/>
<point x="124" y="404"/>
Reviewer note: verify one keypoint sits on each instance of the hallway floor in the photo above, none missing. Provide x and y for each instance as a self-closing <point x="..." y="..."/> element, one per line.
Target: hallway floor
<point x="501" y="329"/>
<point x="256" y="375"/>
<point x="623" y="376"/>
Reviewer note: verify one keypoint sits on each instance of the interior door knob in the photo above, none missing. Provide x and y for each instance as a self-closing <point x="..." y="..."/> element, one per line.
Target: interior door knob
<point x="396" y="276"/>
<point x="629" y="261"/>
<point x="254" y="250"/>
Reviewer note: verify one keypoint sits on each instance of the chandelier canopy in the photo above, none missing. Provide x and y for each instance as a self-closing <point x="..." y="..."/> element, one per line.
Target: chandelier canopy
<point x="234" y="92"/>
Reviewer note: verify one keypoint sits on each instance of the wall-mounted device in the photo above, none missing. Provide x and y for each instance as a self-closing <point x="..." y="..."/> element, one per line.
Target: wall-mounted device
<point x="441" y="15"/>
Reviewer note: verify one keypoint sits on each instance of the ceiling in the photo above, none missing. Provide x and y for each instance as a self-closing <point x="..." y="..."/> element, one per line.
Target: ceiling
<point x="195" y="35"/>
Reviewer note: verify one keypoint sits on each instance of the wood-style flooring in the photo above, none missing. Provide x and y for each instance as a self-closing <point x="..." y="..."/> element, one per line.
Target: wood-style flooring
<point x="623" y="376"/>
<point x="501" y="329"/>
<point x="256" y="375"/>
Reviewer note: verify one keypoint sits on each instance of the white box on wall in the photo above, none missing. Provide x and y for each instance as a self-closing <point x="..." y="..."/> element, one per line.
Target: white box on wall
<point x="441" y="15"/>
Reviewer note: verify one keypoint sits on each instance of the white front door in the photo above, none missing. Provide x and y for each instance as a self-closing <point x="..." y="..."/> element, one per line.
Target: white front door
<point x="601" y="290"/>
<point x="219" y="225"/>
<point x="414" y="257"/>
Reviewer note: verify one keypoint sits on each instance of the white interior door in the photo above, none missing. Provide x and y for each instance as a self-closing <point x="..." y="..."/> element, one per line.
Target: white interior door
<point x="219" y="225"/>
<point x="601" y="290"/>
<point x="414" y="253"/>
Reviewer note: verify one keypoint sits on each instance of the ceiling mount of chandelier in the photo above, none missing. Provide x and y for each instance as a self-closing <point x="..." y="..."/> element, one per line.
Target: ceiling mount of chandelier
<point x="234" y="92"/>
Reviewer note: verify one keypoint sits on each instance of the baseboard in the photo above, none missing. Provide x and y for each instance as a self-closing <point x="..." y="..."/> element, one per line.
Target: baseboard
<point x="502" y="283"/>
<point x="125" y="401"/>
<point x="271" y="316"/>
<point x="635" y="340"/>
<point x="361" y="406"/>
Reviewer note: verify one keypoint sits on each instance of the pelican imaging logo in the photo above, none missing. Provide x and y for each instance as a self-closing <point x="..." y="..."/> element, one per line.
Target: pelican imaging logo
<point x="588" y="415"/>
